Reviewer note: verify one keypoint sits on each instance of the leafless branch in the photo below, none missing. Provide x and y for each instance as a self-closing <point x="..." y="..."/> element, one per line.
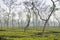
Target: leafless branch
<point x="49" y="16"/>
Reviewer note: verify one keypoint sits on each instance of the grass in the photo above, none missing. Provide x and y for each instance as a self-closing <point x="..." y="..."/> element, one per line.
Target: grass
<point x="32" y="33"/>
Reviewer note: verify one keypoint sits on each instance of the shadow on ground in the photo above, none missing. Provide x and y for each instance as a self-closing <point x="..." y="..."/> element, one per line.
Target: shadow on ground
<point x="35" y="34"/>
<point x="2" y="30"/>
<point x="50" y="32"/>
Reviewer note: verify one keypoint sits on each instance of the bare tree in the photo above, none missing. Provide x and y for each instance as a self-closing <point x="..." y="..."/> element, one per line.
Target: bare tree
<point x="13" y="15"/>
<point x="34" y="8"/>
<point x="19" y="15"/>
<point x="56" y="19"/>
<point x="8" y="3"/>
<point x="1" y="16"/>
<point x="28" y="18"/>
<point x="53" y="8"/>
<point x="27" y="4"/>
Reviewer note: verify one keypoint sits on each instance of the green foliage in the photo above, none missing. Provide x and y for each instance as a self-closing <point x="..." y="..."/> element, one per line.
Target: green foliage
<point x="32" y="33"/>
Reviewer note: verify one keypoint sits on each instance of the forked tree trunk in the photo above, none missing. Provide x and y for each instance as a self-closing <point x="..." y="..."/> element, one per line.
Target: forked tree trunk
<point x="49" y="16"/>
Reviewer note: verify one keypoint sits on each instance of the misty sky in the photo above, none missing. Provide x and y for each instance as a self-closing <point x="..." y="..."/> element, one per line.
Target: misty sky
<point x="21" y="8"/>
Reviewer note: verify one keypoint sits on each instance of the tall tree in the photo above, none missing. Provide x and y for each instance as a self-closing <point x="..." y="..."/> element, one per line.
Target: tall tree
<point x="8" y="3"/>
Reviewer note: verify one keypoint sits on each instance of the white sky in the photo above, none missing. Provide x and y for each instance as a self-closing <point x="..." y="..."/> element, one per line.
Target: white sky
<point x="22" y="8"/>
